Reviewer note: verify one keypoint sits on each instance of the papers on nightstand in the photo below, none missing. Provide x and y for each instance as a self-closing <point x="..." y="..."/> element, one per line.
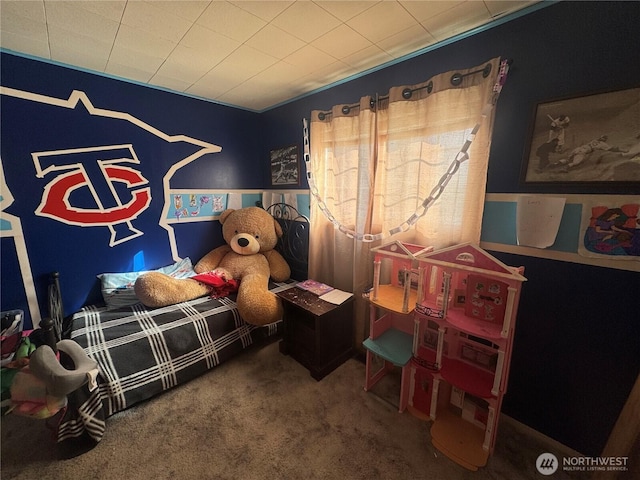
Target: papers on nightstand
<point x="336" y="296"/>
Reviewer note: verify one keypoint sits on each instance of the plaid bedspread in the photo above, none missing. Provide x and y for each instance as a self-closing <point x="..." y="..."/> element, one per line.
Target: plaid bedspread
<point x="142" y="352"/>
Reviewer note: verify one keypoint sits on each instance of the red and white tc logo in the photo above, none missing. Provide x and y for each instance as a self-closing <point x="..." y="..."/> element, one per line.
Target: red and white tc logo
<point x="99" y="176"/>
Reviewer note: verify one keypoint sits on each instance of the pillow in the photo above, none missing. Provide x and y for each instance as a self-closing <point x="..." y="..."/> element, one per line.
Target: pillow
<point x="117" y="288"/>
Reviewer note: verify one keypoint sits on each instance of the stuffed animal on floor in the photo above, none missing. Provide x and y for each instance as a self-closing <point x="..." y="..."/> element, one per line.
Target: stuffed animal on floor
<point x="248" y="258"/>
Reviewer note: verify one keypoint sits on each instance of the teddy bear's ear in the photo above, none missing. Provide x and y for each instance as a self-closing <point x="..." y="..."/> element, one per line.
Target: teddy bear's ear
<point x="225" y="214"/>
<point x="277" y="227"/>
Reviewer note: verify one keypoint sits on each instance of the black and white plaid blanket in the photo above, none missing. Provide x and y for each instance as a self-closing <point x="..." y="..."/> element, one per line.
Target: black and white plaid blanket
<point x="142" y="352"/>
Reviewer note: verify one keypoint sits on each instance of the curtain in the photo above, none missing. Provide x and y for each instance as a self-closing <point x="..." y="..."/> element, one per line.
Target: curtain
<point x="408" y="166"/>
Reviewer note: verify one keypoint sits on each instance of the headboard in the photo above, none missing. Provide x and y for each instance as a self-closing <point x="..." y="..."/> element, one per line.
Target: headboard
<point x="294" y="243"/>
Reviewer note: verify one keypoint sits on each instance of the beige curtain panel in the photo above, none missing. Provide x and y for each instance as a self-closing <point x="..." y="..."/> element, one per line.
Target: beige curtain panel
<point x="376" y="163"/>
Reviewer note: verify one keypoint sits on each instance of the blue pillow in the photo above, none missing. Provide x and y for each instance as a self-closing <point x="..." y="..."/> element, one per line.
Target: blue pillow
<point x="117" y="288"/>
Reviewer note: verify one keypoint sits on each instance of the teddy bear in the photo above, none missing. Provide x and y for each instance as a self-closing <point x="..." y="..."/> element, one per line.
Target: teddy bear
<point x="248" y="258"/>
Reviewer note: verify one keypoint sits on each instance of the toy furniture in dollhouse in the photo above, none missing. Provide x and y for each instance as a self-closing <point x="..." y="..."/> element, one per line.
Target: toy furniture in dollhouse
<point x="392" y="300"/>
<point x="463" y="337"/>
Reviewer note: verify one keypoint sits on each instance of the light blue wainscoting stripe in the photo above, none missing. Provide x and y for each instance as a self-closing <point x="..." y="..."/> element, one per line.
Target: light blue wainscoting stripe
<point x="499" y="225"/>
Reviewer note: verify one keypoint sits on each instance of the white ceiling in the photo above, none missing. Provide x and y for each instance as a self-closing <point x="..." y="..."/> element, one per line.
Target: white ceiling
<point x="249" y="54"/>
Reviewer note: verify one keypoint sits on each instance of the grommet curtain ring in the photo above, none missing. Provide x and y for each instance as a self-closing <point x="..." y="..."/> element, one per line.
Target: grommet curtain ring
<point x="456" y="79"/>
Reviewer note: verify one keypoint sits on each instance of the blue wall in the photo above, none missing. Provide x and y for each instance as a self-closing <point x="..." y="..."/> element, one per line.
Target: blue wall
<point x="577" y="338"/>
<point x="39" y="124"/>
<point x="576" y="353"/>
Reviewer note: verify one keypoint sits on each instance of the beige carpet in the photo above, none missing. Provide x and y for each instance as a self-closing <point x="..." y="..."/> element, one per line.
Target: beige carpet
<point x="261" y="416"/>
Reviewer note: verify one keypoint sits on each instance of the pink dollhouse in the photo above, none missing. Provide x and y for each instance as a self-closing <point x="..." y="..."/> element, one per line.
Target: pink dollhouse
<point x="392" y="301"/>
<point x="459" y="334"/>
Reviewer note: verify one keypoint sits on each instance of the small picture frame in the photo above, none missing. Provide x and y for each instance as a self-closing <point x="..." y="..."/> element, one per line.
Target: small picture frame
<point x="285" y="166"/>
<point x="591" y="140"/>
<point x="459" y="297"/>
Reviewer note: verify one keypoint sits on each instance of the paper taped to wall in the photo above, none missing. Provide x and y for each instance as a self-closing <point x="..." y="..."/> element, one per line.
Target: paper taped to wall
<point x="538" y="219"/>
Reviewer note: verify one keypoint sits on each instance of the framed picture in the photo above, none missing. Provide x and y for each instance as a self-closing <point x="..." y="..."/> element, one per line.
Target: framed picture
<point x="593" y="139"/>
<point x="285" y="166"/>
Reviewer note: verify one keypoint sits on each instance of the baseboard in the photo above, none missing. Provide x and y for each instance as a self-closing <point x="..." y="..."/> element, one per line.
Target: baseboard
<point x="554" y="444"/>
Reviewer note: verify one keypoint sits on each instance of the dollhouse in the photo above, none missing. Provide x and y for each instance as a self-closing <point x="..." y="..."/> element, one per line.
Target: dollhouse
<point x="453" y="342"/>
<point x="392" y="301"/>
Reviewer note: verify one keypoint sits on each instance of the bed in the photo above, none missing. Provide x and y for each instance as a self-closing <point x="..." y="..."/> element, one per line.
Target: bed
<point x="142" y="352"/>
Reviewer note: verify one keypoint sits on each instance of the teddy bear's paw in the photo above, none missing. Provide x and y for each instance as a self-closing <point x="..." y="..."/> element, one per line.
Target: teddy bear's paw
<point x="155" y="289"/>
<point x="223" y="273"/>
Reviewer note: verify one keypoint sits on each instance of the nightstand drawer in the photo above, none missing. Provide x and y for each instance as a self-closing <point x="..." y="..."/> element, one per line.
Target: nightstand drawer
<point x="302" y="335"/>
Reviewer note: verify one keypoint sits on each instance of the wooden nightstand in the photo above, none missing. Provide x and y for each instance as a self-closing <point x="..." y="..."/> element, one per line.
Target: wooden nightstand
<point x="317" y="334"/>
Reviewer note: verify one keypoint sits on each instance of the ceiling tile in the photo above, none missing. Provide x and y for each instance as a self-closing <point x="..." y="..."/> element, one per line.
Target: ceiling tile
<point x="281" y="72"/>
<point x="23" y="28"/>
<point x="345" y="10"/>
<point x="231" y="21"/>
<point x="21" y="17"/>
<point x="381" y="21"/>
<point x="252" y="94"/>
<point x="425" y="10"/>
<point x="186" y="64"/>
<point x="310" y="58"/>
<point x="211" y="86"/>
<point x="169" y="83"/>
<point x="189" y="10"/>
<point x="133" y="39"/>
<point x="254" y="54"/>
<point x="161" y="23"/>
<point x="128" y="72"/>
<point x="456" y="20"/>
<point x="267" y="11"/>
<point x="111" y="10"/>
<point x="306" y="20"/>
<point x="77" y="49"/>
<point x="321" y="78"/>
<point x="81" y="21"/>
<point x="211" y="43"/>
<point x="412" y="39"/>
<point x="275" y="42"/>
<point x="242" y="64"/>
<point x="341" y="42"/>
<point x="31" y="44"/>
<point x="368" y="58"/>
<point x="139" y="60"/>
<point x="499" y="8"/>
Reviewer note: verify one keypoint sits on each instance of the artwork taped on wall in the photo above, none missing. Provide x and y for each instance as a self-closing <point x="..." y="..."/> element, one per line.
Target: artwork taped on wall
<point x="611" y="228"/>
<point x="592" y="140"/>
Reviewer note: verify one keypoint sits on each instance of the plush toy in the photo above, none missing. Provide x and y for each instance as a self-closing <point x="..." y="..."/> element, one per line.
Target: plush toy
<point x="248" y="258"/>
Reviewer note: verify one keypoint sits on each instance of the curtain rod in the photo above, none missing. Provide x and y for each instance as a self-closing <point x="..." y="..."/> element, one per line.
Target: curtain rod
<point x="456" y="80"/>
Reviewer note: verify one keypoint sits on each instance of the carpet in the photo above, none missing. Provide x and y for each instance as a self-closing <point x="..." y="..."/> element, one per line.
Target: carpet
<point x="261" y="415"/>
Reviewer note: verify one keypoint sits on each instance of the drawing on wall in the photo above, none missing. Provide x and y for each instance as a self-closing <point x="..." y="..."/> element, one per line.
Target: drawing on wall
<point x="198" y="206"/>
<point x="611" y="229"/>
<point x="593" y="139"/>
<point x="285" y="166"/>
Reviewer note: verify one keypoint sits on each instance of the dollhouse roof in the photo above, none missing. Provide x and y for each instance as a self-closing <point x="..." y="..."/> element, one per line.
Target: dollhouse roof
<point x="401" y="249"/>
<point x="470" y="257"/>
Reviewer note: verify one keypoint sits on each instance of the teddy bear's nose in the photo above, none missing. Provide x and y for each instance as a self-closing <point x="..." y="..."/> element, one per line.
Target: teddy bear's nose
<point x="243" y="242"/>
